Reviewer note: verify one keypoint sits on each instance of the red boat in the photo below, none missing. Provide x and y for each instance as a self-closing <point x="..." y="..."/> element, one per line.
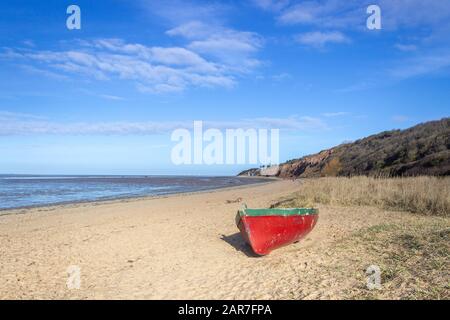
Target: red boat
<point x="268" y="229"/>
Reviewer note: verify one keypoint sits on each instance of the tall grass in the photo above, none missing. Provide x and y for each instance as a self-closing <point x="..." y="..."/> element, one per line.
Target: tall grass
<point x="424" y="195"/>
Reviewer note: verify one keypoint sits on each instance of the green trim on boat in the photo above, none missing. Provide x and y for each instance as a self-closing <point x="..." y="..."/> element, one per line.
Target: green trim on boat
<point x="277" y="212"/>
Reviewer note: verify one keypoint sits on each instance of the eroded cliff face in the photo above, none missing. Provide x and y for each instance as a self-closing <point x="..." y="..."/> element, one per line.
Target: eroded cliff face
<point x="309" y="166"/>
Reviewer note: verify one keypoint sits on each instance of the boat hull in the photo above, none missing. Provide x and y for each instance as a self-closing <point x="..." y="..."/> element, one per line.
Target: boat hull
<point x="265" y="233"/>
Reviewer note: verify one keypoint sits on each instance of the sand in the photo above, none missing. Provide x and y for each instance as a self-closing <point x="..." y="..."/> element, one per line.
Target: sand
<point x="178" y="247"/>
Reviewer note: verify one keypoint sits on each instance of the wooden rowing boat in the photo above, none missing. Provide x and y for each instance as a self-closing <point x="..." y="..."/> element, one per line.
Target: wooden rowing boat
<point x="268" y="229"/>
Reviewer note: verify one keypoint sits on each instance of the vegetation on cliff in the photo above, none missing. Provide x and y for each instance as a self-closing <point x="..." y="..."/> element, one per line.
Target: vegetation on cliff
<point x="421" y="150"/>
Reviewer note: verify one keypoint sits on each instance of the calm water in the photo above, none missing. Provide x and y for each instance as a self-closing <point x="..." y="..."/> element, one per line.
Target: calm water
<point x="26" y="191"/>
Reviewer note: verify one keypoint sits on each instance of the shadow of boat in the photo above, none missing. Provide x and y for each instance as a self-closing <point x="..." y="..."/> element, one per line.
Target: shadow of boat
<point x="236" y="241"/>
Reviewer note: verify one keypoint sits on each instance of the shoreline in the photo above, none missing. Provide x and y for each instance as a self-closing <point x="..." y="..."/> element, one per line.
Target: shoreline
<point x="127" y="199"/>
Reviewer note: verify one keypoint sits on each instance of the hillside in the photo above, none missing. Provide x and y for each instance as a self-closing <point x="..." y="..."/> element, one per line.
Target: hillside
<point x="421" y="150"/>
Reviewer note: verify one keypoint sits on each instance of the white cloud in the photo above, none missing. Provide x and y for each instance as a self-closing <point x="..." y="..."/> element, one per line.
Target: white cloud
<point x="273" y="5"/>
<point x="325" y="14"/>
<point x="359" y="86"/>
<point x="352" y="13"/>
<point x="433" y="63"/>
<point x="300" y="14"/>
<point x="168" y="56"/>
<point x="415" y="13"/>
<point x="424" y="25"/>
<point x="43" y="72"/>
<point x="178" y="12"/>
<point x="152" y="69"/>
<point x="429" y="20"/>
<point x="295" y="123"/>
<point x="28" y="43"/>
<point x="111" y="97"/>
<point x="18" y="116"/>
<point x="320" y="39"/>
<point x="281" y="77"/>
<point x="191" y="30"/>
<point x="234" y="49"/>
<point x="335" y="114"/>
<point x="160" y="88"/>
<point x="23" y="124"/>
<point x="212" y="55"/>
<point x="406" y="47"/>
<point x="422" y="65"/>
<point x="230" y="41"/>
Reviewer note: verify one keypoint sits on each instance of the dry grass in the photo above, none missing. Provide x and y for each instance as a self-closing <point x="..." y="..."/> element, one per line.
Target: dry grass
<point x="423" y="195"/>
<point x="413" y="258"/>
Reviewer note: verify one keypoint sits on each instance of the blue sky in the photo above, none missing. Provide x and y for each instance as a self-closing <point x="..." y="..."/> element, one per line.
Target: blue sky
<point x="104" y="99"/>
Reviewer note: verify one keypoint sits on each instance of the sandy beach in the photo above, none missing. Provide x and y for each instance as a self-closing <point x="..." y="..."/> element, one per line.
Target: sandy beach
<point x="178" y="247"/>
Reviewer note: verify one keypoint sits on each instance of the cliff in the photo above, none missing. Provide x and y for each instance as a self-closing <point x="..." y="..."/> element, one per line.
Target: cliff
<point x="421" y="150"/>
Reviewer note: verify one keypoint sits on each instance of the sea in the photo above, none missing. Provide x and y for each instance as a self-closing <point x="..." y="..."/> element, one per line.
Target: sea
<point x="23" y="191"/>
